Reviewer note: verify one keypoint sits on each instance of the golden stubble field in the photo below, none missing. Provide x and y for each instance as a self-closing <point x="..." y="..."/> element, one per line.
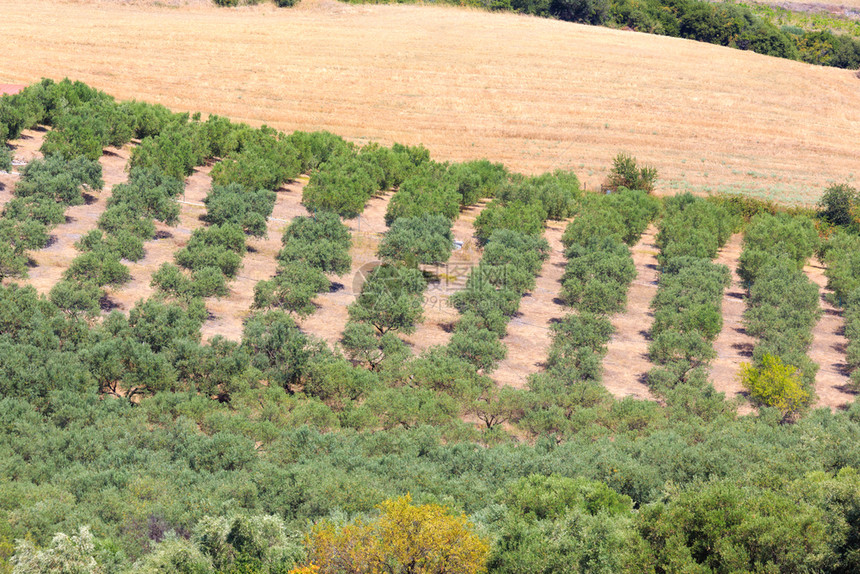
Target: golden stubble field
<point x="533" y="93"/>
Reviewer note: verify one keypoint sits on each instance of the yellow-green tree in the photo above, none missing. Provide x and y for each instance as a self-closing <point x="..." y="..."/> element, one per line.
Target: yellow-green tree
<point x="775" y="384"/>
<point x="403" y="539"/>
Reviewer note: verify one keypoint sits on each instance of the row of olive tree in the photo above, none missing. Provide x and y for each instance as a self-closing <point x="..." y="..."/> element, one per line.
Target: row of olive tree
<point x="597" y="275"/>
<point x="688" y="304"/>
<point x="782" y="306"/>
<point x="840" y="207"/>
<point x="312" y="248"/>
<point x="46" y="188"/>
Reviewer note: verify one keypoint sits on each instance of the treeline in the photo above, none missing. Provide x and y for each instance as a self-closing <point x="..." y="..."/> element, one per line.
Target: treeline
<point x="725" y="24"/>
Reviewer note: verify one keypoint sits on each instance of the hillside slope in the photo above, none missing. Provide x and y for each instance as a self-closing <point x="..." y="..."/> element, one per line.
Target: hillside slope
<point x="535" y="93"/>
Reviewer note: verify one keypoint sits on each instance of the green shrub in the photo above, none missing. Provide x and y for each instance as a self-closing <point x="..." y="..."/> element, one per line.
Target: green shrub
<point x="322" y="241"/>
<point x="557" y="192"/>
<point x="839" y="205"/>
<point x="219" y="246"/>
<point x="45" y="210"/>
<point x="523" y="218"/>
<point x="422" y="194"/>
<point x="390" y="299"/>
<point x="292" y="289"/>
<point x="99" y="268"/>
<point x="418" y="240"/>
<point x="775" y="384"/>
<point x="59" y="179"/>
<point x="177" y="149"/>
<point x="5" y="155"/>
<point x="235" y="204"/>
<point x="769" y="237"/>
<point x="625" y="173"/>
<point x="263" y="160"/>
<point x="597" y="276"/>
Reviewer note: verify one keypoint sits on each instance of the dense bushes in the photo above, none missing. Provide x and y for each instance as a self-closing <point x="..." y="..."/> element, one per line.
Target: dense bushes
<point x="113" y="423"/>
<point x="600" y="267"/>
<point x="840" y="206"/>
<point x="345" y="180"/>
<point x="390" y="299"/>
<point x="769" y="238"/>
<point x="234" y="203"/>
<point x="256" y="159"/>
<point x="524" y="204"/>
<point x="625" y="173"/>
<point x="425" y="192"/>
<point x="220" y="246"/>
<point x="418" y="240"/>
<point x="597" y="276"/>
<point x="623" y="216"/>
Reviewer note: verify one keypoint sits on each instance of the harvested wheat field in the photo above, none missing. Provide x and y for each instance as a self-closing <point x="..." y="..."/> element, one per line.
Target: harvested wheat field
<point x="534" y="93"/>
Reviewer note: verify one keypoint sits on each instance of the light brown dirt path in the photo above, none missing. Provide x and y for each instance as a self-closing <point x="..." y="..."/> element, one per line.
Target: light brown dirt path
<point x="439" y="316"/>
<point x="168" y="240"/>
<point x="828" y="347"/>
<point x="529" y="336"/>
<point x="733" y="345"/>
<point x="53" y="260"/>
<point x="626" y="364"/>
<point x="367" y="229"/>
<point x="260" y="263"/>
<point x="24" y="150"/>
